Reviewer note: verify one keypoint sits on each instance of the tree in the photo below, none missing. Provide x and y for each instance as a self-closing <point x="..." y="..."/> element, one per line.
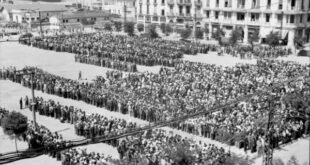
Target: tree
<point x="299" y="42"/>
<point x="140" y="27"/>
<point x="236" y="159"/>
<point x="118" y="26"/>
<point x="180" y="153"/>
<point x="199" y="34"/>
<point x="84" y="21"/>
<point x="185" y="33"/>
<point x="152" y="31"/>
<point x="278" y="161"/>
<point x="253" y="38"/>
<point x="273" y="39"/>
<point x="129" y="28"/>
<point x="218" y="34"/>
<point x="15" y="125"/>
<point x="165" y="28"/>
<point x="292" y="161"/>
<point x="235" y="36"/>
<point x="108" y="26"/>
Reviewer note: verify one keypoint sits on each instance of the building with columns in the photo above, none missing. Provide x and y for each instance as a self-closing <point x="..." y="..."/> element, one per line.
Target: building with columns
<point x="289" y="17"/>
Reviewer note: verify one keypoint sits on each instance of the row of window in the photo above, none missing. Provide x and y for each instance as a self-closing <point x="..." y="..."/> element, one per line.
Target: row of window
<point x="255" y="17"/>
<point x="254" y="4"/>
<point x="77" y="20"/>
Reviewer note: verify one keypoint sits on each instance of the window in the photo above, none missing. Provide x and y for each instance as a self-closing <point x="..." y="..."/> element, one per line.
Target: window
<point x="78" y="20"/>
<point x="162" y="12"/>
<point x="292" y="19"/>
<point x="162" y="1"/>
<point x="308" y="19"/>
<point x="227" y="15"/>
<point x="267" y="17"/>
<point x="241" y="4"/>
<point x="216" y="15"/>
<point x="217" y="3"/>
<point x="208" y="3"/>
<point x="254" y="17"/>
<point x="147" y="9"/>
<point x="32" y="19"/>
<point x="188" y="9"/>
<point x="240" y="16"/>
<point x="280" y="4"/>
<point x="207" y="14"/>
<point x="268" y="4"/>
<point x="279" y="18"/>
<point x="302" y="5"/>
<point x="293" y="2"/>
<point x="300" y="18"/>
<point x="140" y="8"/>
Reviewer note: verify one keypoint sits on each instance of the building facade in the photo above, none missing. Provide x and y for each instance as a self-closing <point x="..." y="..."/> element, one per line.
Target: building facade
<point x="125" y="8"/>
<point x="289" y="17"/>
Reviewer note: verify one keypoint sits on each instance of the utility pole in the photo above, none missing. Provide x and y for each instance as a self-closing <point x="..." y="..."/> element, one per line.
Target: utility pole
<point x="282" y="17"/>
<point x="268" y="149"/>
<point x="40" y="21"/>
<point x="125" y="14"/>
<point x="30" y="72"/>
<point x="194" y="25"/>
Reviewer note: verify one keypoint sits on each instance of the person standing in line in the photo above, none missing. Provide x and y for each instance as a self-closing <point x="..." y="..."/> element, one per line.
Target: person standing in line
<point x="80" y="75"/>
<point x="21" y="103"/>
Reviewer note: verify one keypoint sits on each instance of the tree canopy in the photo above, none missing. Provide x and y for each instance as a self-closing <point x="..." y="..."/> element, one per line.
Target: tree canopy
<point x="129" y="28"/>
<point x="235" y="36"/>
<point x="273" y="38"/>
<point x="14" y="124"/>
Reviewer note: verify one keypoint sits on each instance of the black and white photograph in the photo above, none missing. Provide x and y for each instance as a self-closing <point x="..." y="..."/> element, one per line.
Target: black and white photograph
<point x="155" y="82"/>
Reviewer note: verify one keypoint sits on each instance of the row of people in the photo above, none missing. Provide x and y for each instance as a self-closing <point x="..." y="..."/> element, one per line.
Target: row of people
<point x="138" y="50"/>
<point x="249" y="52"/>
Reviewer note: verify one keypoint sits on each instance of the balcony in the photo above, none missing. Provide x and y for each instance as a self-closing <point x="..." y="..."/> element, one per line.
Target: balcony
<point x="181" y="15"/>
<point x="184" y="2"/>
<point x="171" y="14"/>
<point x="241" y="6"/>
<point x="198" y="3"/>
<point x="162" y="19"/>
<point x="170" y="2"/>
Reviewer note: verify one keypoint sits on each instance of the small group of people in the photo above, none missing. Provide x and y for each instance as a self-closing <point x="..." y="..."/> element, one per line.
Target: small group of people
<point x="38" y="136"/>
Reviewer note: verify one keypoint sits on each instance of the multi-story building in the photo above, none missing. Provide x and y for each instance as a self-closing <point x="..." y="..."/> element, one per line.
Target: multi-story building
<point x="125" y="8"/>
<point x="289" y="17"/>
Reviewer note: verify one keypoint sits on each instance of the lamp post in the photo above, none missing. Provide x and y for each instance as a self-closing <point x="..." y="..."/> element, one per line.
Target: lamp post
<point x="30" y="72"/>
<point x="194" y="25"/>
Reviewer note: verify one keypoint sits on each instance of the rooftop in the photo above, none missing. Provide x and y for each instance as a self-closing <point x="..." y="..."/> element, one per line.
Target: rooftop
<point x="36" y="7"/>
<point x="87" y="14"/>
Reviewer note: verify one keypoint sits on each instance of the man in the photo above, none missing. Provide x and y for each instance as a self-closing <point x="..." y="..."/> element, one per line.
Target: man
<point x="21" y="103"/>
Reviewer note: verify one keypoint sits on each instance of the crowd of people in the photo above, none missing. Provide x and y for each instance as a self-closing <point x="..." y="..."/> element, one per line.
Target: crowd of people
<point x="106" y="49"/>
<point x="148" y="147"/>
<point x="190" y="87"/>
<point x="39" y="136"/>
<point x="249" y="52"/>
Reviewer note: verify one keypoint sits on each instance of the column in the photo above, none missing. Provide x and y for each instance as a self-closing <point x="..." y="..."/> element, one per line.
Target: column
<point x="246" y="33"/>
<point x="210" y="30"/>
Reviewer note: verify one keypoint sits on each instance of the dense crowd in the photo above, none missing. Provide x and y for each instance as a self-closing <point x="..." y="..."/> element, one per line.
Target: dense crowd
<point x="148" y="147"/>
<point x="188" y="88"/>
<point x="106" y="49"/>
<point x="249" y="52"/>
